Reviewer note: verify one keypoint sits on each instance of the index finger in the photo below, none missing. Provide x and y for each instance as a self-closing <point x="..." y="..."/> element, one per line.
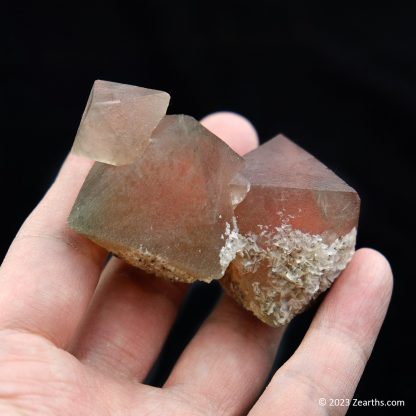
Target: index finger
<point x="50" y="272"/>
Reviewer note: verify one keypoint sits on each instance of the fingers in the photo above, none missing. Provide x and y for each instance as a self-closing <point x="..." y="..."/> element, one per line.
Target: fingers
<point x="331" y="358"/>
<point x="129" y="320"/>
<point x="131" y="315"/>
<point x="50" y="272"/>
<point x="228" y="360"/>
<point x="234" y="129"/>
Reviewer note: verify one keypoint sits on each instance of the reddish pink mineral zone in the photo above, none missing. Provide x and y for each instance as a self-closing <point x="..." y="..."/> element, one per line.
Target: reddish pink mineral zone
<point x="288" y="184"/>
<point x="296" y="231"/>
<point x="166" y="212"/>
<point x="276" y="229"/>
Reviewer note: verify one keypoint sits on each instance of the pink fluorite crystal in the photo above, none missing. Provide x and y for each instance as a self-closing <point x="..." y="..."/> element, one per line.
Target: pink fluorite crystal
<point x="296" y="231"/>
<point x="168" y="211"/>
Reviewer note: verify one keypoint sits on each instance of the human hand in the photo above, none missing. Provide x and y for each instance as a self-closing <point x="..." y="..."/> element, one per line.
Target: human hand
<point x="68" y="347"/>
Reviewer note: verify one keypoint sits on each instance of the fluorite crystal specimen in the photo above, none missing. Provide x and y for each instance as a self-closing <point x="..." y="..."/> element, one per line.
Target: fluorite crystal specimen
<point x="118" y="121"/>
<point x="167" y="212"/>
<point x="296" y="232"/>
<point x="277" y="229"/>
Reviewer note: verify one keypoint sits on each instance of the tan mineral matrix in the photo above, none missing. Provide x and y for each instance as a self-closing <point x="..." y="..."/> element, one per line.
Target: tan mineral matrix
<point x="296" y="232"/>
<point x="169" y="211"/>
<point x="118" y="121"/>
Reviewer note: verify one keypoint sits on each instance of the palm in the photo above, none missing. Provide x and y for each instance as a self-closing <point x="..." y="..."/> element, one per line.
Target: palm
<point x="70" y="347"/>
<point x="38" y="378"/>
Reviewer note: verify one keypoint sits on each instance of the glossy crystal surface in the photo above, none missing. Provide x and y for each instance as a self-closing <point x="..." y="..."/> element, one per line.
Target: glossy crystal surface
<point x="118" y="121"/>
<point x="168" y="211"/>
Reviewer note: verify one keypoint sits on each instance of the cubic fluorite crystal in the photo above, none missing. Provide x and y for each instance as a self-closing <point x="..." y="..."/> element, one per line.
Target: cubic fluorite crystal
<point x="277" y="229"/>
<point x="168" y="211"/>
<point x="296" y="232"/>
<point x="118" y="121"/>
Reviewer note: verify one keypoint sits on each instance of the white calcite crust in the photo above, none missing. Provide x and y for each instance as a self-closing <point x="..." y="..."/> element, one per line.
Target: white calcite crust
<point x="278" y="272"/>
<point x="233" y="244"/>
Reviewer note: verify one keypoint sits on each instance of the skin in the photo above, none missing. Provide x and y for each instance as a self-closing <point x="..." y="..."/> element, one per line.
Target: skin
<point x="77" y="337"/>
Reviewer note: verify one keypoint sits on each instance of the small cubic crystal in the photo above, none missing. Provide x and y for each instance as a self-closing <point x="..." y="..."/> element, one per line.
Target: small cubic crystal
<point x="118" y="121"/>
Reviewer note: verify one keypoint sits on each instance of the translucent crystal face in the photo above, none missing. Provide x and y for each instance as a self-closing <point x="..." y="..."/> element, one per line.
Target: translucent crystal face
<point x="289" y="185"/>
<point x="118" y="121"/>
<point x="168" y="211"/>
<point x="297" y="229"/>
